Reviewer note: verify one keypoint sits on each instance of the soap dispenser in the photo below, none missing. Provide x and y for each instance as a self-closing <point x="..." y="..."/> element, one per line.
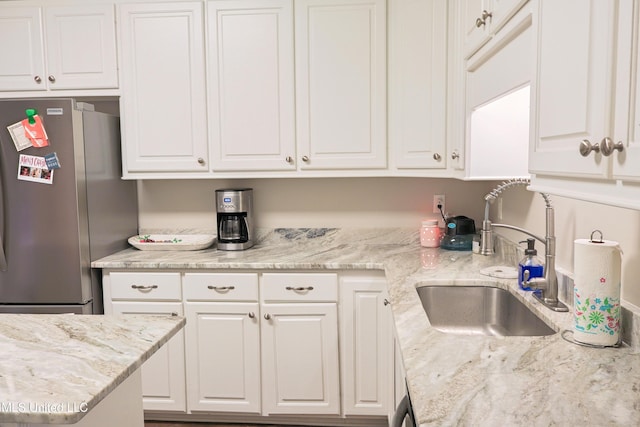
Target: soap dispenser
<point x="530" y="263"/>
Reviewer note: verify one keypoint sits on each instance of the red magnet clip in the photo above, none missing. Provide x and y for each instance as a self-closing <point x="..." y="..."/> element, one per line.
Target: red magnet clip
<point x="34" y="129"/>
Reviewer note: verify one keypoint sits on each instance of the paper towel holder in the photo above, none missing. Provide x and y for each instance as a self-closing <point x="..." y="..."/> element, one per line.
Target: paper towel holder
<point x="596" y="241"/>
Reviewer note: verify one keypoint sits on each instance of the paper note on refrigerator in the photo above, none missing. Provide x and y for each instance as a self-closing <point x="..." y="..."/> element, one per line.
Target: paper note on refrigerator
<point x="35" y="131"/>
<point x="34" y="169"/>
<point x="20" y="139"/>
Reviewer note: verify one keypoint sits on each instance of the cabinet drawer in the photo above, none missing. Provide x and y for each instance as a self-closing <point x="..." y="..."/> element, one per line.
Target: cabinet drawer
<point x="145" y="286"/>
<point x="299" y="287"/>
<point x="221" y="286"/>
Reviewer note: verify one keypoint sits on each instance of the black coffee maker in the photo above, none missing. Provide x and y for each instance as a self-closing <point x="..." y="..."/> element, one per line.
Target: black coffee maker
<point x="235" y="219"/>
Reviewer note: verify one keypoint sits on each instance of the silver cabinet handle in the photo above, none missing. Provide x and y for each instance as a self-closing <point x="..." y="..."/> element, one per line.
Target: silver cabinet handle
<point x="251" y="315"/>
<point x="299" y="288"/>
<point x="586" y="147"/>
<point x="201" y="161"/>
<point x="52" y="79"/>
<point x="221" y="288"/>
<point x="607" y="147"/>
<point x="144" y="287"/>
<point x="174" y="314"/>
<point x="37" y="79"/>
<point x="267" y="316"/>
<point x="455" y="155"/>
<point x="288" y="159"/>
<point x="437" y="157"/>
<point x="386" y="302"/>
<point x="483" y="19"/>
<point x="305" y="158"/>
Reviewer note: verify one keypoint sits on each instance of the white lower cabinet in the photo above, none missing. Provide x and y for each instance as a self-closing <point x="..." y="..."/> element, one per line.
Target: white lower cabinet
<point x="265" y="344"/>
<point x="223" y="342"/>
<point x="300" y="367"/>
<point x="366" y="343"/>
<point x="163" y="375"/>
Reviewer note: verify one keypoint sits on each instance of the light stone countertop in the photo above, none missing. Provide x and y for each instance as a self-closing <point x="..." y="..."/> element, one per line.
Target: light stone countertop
<point x="56" y="367"/>
<point x="452" y="379"/>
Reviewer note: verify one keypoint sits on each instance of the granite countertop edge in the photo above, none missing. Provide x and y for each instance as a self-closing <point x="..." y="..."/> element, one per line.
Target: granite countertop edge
<point x="483" y="380"/>
<point x="98" y="353"/>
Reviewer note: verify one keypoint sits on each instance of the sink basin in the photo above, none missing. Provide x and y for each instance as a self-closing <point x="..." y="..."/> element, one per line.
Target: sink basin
<point x="479" y="310"/>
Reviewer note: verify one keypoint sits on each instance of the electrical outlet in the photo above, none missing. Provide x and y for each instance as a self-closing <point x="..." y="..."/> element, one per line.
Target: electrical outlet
<point x="438" y="199"/>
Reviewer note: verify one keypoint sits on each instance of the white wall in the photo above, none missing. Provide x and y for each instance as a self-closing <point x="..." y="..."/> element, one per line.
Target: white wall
<point x="393" y="202"/>
<point x="576" y="220"/>
<point x="306" y="202"/>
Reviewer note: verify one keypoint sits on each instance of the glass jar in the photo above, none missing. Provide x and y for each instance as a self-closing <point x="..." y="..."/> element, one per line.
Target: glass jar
<point x="430" y="234"/>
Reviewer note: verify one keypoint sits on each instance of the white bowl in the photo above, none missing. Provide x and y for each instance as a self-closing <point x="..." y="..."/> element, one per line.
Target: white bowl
<point x="171" y="242"/>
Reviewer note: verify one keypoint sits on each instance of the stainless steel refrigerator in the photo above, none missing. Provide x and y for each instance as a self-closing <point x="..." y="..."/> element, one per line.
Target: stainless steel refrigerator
<point x="50" y="232"/>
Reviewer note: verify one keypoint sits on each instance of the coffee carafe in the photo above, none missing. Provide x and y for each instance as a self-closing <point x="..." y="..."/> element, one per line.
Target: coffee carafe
<point x="235" y="219"/>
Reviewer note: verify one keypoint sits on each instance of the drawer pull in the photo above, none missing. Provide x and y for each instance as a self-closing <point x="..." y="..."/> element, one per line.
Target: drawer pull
<point x="144" y="287"/>
<point x="252" y="315"/>
<point x="386" y="302"/>
<point x="267" y="316"/>
<point x="221" y="288"/>
<point x="174" y="314"/>
<point x="299" y="288"/>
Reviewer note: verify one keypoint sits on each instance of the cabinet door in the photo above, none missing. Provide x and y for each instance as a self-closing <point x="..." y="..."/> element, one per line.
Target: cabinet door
<point x="341" y="83"/>
<point x="22" y="64"/>
<point x="483" y="18"/>
<point x="475" y="32"/>
<point x="81" y="47"/>
<point x="163" y="374"/>
<point x="366" y="347"/>
<point x="223" y="356"/>
<point x="251" y="100"/>
<point x="627" y="126"/>
<point x="163" y="104"/>
<point x="573" y="92"/>
<point x="300" y="359"/>
<point x="417" y="93"/>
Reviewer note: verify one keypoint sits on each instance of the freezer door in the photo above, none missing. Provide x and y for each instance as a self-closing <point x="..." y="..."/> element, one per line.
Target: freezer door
<point x="44" y="227"/>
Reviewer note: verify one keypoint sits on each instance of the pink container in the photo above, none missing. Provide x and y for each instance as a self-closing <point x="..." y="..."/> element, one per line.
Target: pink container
<point x="430" y="234"/>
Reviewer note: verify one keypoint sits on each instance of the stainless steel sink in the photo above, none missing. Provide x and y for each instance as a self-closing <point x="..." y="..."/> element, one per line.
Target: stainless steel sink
<point x="479" y="310"/>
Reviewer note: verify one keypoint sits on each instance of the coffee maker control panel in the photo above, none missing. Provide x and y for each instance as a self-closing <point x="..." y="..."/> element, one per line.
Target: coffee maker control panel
<point x="227" y="204"/>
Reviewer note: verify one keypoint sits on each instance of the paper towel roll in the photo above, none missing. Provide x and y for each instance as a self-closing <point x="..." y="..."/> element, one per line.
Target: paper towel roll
<point x="596" y="290"/>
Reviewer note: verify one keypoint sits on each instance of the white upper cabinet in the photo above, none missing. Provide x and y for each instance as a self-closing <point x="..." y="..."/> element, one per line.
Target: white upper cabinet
<point x="340" y="55"/>
<point x="497" y="112"/>
<point x="481" y="19"/>
<point x="584" y="126"/>
<point x="573" y="95"/>
<point x="163" y="104"/>
<point x="488" y="98"/>
<point x="250" y="84"/>
<point x="57" y="47"/>
<point x="626" y="132"/>
<point x="417" y="89"/>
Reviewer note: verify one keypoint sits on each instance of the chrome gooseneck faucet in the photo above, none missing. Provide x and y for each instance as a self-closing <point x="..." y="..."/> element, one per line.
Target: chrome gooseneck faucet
<point x="545" y="288"/>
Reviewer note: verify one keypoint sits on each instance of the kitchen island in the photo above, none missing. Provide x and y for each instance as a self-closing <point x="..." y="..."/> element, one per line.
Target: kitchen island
<point x="452" y="379"/>
<point x="76" y="369"/>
